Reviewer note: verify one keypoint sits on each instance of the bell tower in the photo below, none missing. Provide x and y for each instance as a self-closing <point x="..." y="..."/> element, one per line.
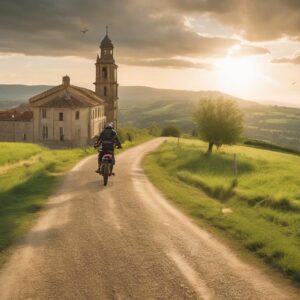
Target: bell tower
<point x="106" y="84"/>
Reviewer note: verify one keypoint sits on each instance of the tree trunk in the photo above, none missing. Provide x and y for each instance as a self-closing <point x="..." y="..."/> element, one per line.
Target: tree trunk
<point x="210" y="147"/>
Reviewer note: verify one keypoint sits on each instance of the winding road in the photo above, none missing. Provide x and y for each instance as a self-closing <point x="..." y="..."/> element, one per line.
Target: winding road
<point x="126" y="241"/>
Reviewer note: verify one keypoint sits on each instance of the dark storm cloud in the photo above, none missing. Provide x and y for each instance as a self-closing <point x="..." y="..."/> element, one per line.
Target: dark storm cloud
<point x="140" y="29"/>
<point x="255" y="20"/>
<point x="287" y="60"/>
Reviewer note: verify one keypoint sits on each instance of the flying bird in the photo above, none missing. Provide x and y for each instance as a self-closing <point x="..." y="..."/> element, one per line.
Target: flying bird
<point x="84" y="31"/>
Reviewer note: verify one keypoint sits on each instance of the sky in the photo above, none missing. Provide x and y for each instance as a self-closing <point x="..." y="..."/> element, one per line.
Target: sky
<point x="246" y="48"/>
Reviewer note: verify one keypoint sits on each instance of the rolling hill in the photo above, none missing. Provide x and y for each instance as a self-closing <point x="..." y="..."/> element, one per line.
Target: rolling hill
<point x="145" y="106"/>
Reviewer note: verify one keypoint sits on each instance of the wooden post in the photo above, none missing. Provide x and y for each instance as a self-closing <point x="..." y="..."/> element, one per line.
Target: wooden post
<point x="235" y="167"/>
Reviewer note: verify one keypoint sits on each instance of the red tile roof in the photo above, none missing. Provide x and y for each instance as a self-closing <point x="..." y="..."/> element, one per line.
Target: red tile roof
<point x="14" y="115"/>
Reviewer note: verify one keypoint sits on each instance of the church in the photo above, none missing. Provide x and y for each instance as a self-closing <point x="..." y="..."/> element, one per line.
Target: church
<point x="67" y="115"/>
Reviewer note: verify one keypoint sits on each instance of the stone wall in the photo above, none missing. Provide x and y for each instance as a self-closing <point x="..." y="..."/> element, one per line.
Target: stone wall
<point x="16" y="131"/>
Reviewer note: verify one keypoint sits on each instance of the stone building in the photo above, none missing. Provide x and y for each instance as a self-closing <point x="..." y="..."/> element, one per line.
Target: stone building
<point x="16" y="126"/>
<point x="67" y="115"/>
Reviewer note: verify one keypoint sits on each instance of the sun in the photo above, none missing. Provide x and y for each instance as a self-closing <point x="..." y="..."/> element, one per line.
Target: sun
<point x="238" y="73"/>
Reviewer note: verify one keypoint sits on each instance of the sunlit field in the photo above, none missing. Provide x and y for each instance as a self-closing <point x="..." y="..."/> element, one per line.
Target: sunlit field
<point x="263" y="200"/>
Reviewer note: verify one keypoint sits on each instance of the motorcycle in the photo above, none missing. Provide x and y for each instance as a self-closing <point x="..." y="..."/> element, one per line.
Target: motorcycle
<point x="107" y="165"/>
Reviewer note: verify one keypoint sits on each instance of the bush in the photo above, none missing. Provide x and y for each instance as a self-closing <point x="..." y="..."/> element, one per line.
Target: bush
<point x="171" y="131"/>
<point x="154" y="130"/>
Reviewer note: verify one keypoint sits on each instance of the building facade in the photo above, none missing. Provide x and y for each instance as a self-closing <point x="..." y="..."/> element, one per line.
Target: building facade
<point x="16" y="126"/>
<point x="67" y="115"/>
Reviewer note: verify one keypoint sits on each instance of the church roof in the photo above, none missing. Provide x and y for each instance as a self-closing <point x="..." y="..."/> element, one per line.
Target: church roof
<point x="106" y="42"/>
<point x="66" y="96"/>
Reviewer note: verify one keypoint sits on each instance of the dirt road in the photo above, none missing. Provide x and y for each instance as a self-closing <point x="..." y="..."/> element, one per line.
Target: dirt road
<point x="125" y="241"/>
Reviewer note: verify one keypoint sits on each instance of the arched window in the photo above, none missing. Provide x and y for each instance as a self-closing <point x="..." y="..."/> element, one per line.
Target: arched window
<point x="104" y="72"/>
<point x="105" y="91"/>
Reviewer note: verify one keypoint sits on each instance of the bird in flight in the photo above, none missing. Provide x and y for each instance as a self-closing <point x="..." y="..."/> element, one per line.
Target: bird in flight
<point x="84" y="31"/>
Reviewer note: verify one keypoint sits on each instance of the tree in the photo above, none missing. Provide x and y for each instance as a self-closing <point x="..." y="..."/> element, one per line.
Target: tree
<point x="170" y="130"/>
<point x="154" y="130"/>
<point x="219" y="121"/>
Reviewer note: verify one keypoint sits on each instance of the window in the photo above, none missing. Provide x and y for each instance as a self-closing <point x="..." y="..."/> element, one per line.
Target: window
<point x="45" y="132"/>
<point x="44" y="113"/>
<point x="99" y="112"/>
<point x="61" y="116"/>
<point x="93" y="114"/>
<point x="61" y="133"/>
<point x="105" y="91"/>
<point x="77" y="115"/>
<point x="104" y="72"/>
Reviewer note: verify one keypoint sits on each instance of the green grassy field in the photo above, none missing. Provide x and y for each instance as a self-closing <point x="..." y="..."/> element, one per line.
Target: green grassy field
<point x="28" y="176"/>
<point x="9" y="154"/>
<point x="260" y="208"/>
<point x="25" y="187"/>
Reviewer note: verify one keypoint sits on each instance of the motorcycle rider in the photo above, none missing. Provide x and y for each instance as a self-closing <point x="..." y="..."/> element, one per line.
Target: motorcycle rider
<point x="106" y="142"/>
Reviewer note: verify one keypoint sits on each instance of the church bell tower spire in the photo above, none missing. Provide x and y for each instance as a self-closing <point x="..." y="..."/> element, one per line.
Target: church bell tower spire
<point x="106" y="84"/>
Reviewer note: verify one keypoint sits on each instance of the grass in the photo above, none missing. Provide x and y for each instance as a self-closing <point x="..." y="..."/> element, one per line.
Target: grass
<point x="24" y="190"/>
<point x="264" y="199"/>
<point x="10" y="155"/>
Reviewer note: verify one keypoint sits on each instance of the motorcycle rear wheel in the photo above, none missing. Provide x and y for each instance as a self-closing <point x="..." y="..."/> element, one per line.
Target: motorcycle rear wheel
<point x="105" y="173"/>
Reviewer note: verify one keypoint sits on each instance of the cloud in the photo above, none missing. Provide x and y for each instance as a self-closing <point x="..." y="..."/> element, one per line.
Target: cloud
<point x="166" y="63"/>
<point x="148" y="33"/>
<point x="287" y="60"/>
<point x="52" y="27"/>
<point x="255" y="20"/>
<point x="248" y="50"/>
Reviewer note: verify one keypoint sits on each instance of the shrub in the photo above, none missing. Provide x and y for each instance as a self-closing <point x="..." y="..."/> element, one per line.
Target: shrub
<point x="170" y="130"/>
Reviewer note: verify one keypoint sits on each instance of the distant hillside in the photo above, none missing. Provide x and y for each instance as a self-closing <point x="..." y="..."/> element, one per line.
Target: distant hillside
<point x="129" y="95"/>
<point x="11" y="93"/>
<point x="144" y="106"/>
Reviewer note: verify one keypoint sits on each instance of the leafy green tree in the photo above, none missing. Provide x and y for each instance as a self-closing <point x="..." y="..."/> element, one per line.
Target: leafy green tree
<point x="170" y="130"/>
<point x="154" y="130"/>
<point x="219" y="121"/>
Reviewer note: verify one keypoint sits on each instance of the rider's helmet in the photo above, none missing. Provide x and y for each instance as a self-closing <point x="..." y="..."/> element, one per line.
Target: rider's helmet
<point x="109" y="125"/>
